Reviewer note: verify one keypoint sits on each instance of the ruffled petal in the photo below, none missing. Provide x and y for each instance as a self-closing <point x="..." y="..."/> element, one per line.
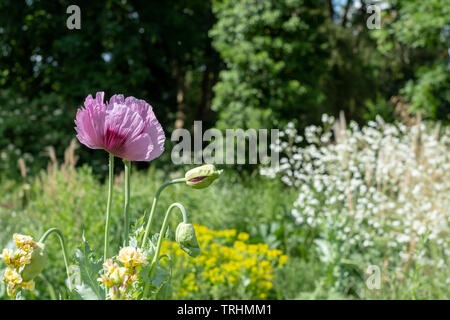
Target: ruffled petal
<point x="89" y="126"/>
<point x="152" y="125"/>
<point x="126" y="127"/>
<point x="98" y="101"/>
<point x="138" y="149"/>
<point x="117" y="98"/>
<point x="156" y="133"/>
<point x="121" y="124"/>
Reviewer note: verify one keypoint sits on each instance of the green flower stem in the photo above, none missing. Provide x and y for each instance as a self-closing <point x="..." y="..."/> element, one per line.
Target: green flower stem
<point x="127" y="165"/>
<point x="108" y="205"/>
<point x="63" y="248"/>
<point x="160" y="240"/>
<point x="152" y="211"/>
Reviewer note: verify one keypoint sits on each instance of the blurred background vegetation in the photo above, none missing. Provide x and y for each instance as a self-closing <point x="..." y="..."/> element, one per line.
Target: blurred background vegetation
<point x="231" y="64"/>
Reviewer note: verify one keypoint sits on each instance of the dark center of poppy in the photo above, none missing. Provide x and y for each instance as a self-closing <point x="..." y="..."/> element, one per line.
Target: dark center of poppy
<point x="113" y="141"/>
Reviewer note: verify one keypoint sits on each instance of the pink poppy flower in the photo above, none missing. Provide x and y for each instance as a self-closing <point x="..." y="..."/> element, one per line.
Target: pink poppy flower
<point x="125" y="127"/>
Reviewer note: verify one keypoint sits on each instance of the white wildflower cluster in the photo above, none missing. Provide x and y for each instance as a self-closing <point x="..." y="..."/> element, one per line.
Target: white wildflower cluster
<point x="382" y="187"/>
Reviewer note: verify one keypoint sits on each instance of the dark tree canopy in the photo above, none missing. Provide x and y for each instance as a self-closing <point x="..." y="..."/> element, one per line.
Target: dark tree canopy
<point x="245" y="64"/>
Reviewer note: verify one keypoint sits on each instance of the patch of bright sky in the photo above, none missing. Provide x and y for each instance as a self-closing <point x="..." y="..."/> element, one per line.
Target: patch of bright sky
<point x="107" y="56"/>
<point x="340" y="4"/>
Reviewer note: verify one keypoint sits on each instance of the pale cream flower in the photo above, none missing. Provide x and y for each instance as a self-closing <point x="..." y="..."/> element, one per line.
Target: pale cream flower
<point x="22" y="257"/>
<point x="12" y="276"/>
<point x="118" y="275"/>
<point x="28" y="247"/>
<point x="23" y="240"/>
<point x="114" y="274"/>
<point x="29" y="285"/>
<point x="132" y="257"/>
<point x="7" y="256"/>
<point x="105" y="280"/>
<point x="118" y="279"/>
<point x="109" y="266"/>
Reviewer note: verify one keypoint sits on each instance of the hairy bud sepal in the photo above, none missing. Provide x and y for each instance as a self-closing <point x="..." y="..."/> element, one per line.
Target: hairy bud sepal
<point x="187" y="240"/>
<point x="36" y="265"/>
<point x="201" y="177"/>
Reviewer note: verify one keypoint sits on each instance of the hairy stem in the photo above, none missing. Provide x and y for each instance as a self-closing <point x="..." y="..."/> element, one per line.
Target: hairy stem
<point x="160" y="240"/>
<point x="152" y="211"/>
<point x="108" y="205"/>
<point x="63" y="248"/>
<point x="127" y="165"/>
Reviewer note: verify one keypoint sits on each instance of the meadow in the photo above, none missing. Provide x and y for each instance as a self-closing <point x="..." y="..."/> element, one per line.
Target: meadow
<point x="297" y="233"/>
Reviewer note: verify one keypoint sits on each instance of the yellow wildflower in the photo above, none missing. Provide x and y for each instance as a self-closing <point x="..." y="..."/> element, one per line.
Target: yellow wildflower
<point x="243" y="236"/>
<point x="229" y="233"/>
<point x="239" y="245"/>
<point x="223" y="265"/>
<point x="283" y="259"/>
<point x="267" y="285"/>
<point x="23" y="240"/>
<point x="274" y="253"/>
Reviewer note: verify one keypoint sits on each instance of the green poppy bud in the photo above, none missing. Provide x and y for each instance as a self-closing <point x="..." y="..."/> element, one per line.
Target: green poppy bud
<point x="186" y="239"/>
<point x="36" y="264"/>
<point x="201" y="177"/>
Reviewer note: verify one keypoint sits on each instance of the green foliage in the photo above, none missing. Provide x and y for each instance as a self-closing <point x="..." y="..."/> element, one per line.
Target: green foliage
<point x="273" y="52"/>
<point x="27" y="127"/>
<point x="379" y="107"/>
<point x="360" y="205"/>
<point x="418" y="24"/>
<point x="138" y="48"/>
<point x="430" y="93"/>
<point x="74" y="201"/>
<point x="414" y="37"/>
<point x="279" y="61"/>
<point x="88" y="287"/>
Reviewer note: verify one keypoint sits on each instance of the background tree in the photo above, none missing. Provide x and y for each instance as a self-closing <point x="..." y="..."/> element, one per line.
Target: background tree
<point x="268" y="62"/>
<point x="153" y="50"/>
<point x="414" y="40"/>
<point x="274" y="53"/>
